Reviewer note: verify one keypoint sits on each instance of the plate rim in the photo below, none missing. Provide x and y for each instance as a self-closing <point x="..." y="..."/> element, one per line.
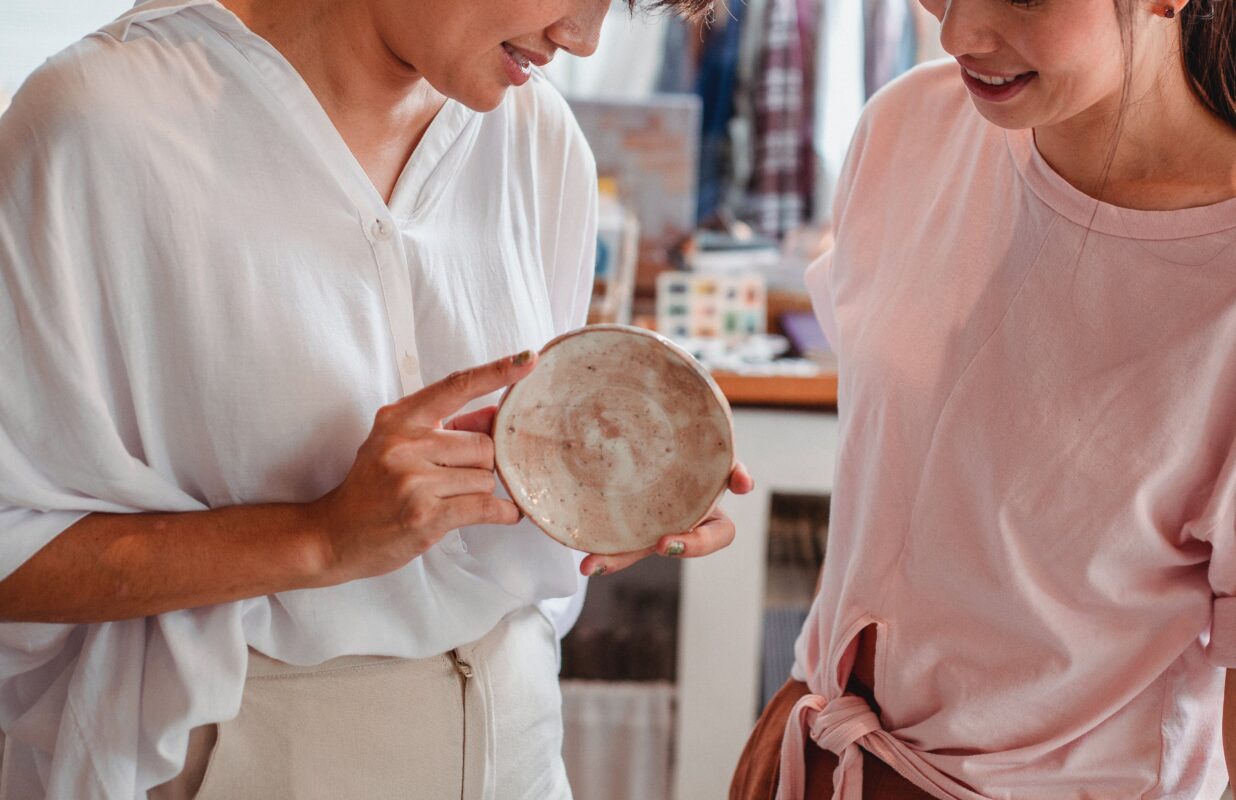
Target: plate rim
<point x="682" y="355"/>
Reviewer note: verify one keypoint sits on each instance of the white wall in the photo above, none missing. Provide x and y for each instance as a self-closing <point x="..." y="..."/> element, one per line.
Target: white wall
<point x="31" y="30"/>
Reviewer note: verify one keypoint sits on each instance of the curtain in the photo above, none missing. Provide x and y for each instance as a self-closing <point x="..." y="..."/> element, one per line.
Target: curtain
<point x="618" y="739"/>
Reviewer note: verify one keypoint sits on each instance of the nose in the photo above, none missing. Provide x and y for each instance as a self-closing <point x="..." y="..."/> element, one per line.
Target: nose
<point x="579" y="32"/>
<point x="965" y="26"/>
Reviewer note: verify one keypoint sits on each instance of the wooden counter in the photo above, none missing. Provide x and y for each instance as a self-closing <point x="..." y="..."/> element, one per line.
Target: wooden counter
<point x="778" y="391"/>
<point x="787" y="391"/>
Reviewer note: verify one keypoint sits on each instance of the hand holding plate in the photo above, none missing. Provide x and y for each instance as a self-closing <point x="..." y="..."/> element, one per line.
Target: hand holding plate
<point x="714" y="533"/>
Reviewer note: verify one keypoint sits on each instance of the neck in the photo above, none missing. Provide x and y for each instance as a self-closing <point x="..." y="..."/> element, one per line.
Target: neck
<point x="378" y="102"/>
<point x="1170" y="151"/>
<point x="339" y="52"/>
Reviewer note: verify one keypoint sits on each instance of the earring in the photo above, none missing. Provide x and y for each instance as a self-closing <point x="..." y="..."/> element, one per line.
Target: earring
<point x="1165" y="11"/>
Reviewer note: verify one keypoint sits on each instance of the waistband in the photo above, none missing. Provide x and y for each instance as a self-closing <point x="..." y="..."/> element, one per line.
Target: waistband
<point x="263" y="666"/>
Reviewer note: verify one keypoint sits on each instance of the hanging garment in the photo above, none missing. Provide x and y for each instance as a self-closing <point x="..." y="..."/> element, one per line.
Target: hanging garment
<point x="808" y="14"/>
<point x="742" y="123"/>
<point x="781" y="183"/>
<point x="679" y="57"/>
<point x="717" y="81"/>
<point x="889" y="42"/>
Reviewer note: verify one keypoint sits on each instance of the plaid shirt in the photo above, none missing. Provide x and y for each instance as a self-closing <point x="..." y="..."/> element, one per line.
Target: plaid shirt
<point x="781" y="188"/>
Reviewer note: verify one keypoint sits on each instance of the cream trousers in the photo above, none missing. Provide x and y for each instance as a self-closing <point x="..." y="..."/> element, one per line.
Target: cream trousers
<point x="483" y="722"/>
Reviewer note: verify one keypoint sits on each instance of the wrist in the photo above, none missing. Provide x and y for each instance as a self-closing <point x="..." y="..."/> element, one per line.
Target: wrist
<point x="315" y="557"/>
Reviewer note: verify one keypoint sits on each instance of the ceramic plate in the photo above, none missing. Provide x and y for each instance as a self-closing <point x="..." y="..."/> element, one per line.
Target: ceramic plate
<point x="617" y="438"/>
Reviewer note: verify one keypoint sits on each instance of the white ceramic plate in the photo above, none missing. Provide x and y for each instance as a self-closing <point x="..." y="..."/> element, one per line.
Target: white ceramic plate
<point x="617" y="438"/>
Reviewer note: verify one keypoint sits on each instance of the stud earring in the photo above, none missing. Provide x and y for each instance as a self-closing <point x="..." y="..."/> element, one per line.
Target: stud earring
<point x="1165" y="11"/>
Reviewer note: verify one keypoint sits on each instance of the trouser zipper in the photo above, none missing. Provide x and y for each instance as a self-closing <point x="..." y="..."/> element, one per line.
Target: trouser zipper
<point x="465" y="670"/>
<point x="461" y="666"/>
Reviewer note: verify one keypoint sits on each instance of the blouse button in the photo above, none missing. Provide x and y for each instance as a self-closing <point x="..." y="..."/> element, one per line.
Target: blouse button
<point x="381" y="230"/>
<point x="409" y="365"/>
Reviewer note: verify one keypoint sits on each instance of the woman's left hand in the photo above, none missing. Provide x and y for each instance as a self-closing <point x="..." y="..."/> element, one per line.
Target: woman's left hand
<point x="714" y="533"/>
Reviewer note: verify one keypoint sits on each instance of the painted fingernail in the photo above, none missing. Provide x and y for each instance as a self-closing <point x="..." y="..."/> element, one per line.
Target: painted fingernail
<point x="675" y="549"/>
<point x="522" y="358"/>
<point x="599" y="571"/>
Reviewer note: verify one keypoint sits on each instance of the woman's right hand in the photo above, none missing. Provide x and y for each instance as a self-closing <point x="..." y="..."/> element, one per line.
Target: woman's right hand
<point x="416" y="478"/>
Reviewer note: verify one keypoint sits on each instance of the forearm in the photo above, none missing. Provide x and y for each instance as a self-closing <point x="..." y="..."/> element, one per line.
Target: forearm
<point x="122" y="566"/>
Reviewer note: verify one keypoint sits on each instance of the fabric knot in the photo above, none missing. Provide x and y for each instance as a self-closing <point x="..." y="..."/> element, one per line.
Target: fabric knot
<point x="836" y="725"/>
<point x="844" y="726"/>
<point x="842" y="722"/>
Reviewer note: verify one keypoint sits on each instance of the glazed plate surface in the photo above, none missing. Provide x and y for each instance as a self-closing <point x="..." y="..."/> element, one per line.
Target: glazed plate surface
<point x="617" y="438"/>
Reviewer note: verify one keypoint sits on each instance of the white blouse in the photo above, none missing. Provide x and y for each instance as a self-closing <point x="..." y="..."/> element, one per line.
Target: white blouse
<point x="204" y="301"/>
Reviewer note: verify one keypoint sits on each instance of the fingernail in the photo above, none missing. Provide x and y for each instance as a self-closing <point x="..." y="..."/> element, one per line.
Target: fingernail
<point x="599" y="571"/>
<point x="675" y="549"/>
<point x="522" y="358"/>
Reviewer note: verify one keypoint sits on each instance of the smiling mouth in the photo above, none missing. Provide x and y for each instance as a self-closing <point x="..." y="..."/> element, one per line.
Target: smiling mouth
<point x="993" y="80"/>
<point x="522" y="61"/>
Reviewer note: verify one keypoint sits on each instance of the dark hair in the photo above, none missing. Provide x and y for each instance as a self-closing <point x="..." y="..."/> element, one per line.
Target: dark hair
<point x="687" y="8"/>
<point x="1208" y="44"/>
<point x="1208" y="52"/>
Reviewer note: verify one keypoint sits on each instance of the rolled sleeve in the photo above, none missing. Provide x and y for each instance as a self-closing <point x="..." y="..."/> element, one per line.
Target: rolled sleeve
<point x="26" y="532"/>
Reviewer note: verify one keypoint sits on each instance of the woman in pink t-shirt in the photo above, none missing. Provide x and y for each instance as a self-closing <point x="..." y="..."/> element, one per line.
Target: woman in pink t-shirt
<point x="1029" y="585"/>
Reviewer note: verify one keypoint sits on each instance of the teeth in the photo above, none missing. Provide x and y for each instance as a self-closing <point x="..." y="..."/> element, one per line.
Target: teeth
<point x="519" y="57"/>
<point x="988" y="79"/>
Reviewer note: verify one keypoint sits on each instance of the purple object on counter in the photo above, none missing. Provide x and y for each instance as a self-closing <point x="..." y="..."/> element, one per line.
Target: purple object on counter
<point x="804" y="332"/>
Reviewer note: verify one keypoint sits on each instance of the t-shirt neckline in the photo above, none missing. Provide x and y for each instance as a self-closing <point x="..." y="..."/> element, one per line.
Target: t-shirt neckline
<point x="1130" y="223"/>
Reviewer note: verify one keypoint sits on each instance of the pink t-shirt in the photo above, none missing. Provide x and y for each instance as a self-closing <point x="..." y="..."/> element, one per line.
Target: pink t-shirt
<point x="1035" y="497"/>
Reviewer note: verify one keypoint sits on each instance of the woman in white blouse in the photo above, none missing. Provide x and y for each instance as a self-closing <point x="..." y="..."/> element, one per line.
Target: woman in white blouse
<point x="231" y="234"/>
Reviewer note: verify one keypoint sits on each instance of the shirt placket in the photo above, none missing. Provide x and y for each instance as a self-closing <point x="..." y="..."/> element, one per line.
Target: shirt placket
<point x="390" y="258"/>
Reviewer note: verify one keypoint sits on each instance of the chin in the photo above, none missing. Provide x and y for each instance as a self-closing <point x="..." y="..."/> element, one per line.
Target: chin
<point x="1005" y="118"/>
<point x="479" y="98"/>
<point x="484" y="102"/>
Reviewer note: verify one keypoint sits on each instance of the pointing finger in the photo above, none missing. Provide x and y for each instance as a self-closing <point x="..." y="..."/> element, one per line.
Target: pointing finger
<point x="440" y="400"/>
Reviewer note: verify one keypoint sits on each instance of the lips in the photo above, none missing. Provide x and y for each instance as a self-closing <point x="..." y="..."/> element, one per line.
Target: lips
<point x="536" y="58"/>
<point x="516" y="65"/>
<point x="518" y="62"/>
<point x="518" y="56"/>
<point x="995" y="88"/>
<point x="992" y="80"/>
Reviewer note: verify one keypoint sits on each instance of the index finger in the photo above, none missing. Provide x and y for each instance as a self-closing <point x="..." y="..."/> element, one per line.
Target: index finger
<point x="440" y="400"/>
